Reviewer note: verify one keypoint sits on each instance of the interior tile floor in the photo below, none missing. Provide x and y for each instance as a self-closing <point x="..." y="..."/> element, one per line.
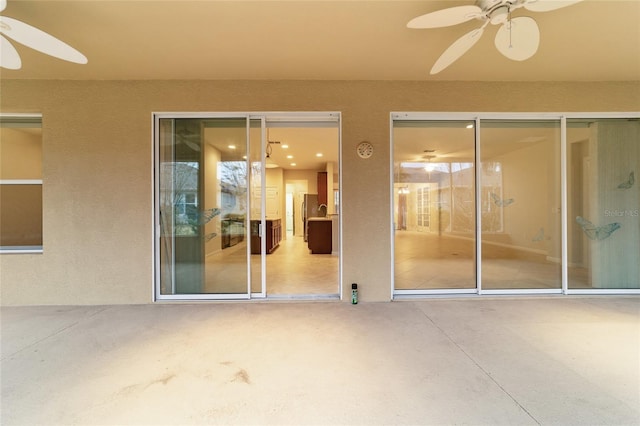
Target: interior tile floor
<point x="291" y="269"/>
<point x="427" y="261"/>
<point x="481" y="361"/>
<point x="423" y="261"/>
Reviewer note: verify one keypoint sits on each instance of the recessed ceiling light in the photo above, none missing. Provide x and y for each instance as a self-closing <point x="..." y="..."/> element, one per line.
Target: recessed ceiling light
<point x="231" y="147"/>
<point x="469" y="126"/>
<point x="285" y="146"/>
<point x="289" y="156"/>
<point x="319" y="154"/>
<point x="293" y="164"/>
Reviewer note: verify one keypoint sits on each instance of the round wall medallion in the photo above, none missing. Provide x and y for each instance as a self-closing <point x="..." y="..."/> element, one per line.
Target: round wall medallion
<point x="364" y="149"/>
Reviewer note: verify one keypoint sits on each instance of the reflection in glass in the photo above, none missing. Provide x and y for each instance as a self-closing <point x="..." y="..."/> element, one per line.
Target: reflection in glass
<point x="603" y="203"/>
<point x="520" y="204"/>
<point x="434" y="209"/>
<point x="21" y="216"/>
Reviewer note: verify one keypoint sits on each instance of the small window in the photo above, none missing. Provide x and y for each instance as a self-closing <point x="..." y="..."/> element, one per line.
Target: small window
<point x="20" y="183"/>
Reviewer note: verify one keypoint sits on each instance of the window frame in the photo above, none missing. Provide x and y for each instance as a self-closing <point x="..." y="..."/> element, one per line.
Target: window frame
<point x="26" y="118"/>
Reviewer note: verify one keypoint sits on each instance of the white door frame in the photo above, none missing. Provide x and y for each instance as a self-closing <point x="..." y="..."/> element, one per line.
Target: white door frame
<point x="478" y="118"/>
<point x="278" y="118"/>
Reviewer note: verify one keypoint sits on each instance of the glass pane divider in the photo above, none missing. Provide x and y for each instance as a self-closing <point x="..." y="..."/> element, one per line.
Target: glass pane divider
<point x="478" y="198"/>
<point x="263" y="204"/>
<point x="247" y="219"/>
<point x="155" y="162"/>
<point x="563" y="206"/>
<point x="392" y="284"/>
<point x="173" y="219"/>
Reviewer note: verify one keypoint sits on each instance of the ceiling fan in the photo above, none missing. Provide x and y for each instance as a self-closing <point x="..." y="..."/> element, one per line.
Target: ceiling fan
<point x="517" y="38"/>
<point x="34" y="38"/>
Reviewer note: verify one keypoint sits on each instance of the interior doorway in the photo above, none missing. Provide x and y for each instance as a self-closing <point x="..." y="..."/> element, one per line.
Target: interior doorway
<point x="289" y="212"/>
<point x="304" y="160"/>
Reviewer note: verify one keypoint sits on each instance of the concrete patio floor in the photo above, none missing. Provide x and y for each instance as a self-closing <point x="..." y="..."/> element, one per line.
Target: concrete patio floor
<point x="515" y="361"/>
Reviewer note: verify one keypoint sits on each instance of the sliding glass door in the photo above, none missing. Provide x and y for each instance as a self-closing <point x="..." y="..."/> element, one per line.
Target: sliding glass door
<point x="603" y="161"/>
<point x="202" y="207"/>
<point x="520" y="204"/>
<point x="515" y="203"/>
<point x="220" y="207"/>
<point x="434" y="205"/>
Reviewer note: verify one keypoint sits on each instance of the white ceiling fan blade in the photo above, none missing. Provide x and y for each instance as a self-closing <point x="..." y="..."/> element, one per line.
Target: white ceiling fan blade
<point x="445" y="17"/>
<point x="3" y="4"/>
<point x="9" y="57"/>
<point x="518" y="39"/>
<point x="192" y="145"/>
<point x="457" y="49"/>
<point x="548" y="5"/>
<point x="39" y="40"/>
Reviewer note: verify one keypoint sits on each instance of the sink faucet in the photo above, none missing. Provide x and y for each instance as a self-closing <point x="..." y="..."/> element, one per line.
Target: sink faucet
<point x="325" y="208"/>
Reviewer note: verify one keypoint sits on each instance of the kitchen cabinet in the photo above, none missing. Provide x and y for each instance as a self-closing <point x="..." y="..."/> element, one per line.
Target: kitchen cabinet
<point x="322" y="188"/>
<point x="320" y="240"/>
<point x="273" y="234"/>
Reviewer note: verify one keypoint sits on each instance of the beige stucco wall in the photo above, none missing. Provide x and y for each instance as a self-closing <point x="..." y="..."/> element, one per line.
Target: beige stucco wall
<point x="97" y="168"/>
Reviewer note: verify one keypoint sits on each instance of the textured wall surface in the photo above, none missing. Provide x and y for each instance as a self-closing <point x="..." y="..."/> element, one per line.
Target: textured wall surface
<point x="97" y="168"/>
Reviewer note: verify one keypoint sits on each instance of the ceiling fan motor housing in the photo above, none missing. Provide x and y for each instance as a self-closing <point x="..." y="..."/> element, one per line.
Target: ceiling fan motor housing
<point x="499" y="15"/>
<point x="497" y="11"/>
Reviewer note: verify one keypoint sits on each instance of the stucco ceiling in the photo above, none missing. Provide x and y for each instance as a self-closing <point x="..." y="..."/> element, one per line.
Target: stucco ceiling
<point x="324" y="40"/>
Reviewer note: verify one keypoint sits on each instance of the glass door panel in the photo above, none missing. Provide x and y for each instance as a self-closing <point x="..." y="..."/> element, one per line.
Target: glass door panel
<point x="603" y="161"/>
<point x="292" y="153"/>
<point x="433" y="205"/>
<point x="520" y="204"/>
<point x="202" y="206"/>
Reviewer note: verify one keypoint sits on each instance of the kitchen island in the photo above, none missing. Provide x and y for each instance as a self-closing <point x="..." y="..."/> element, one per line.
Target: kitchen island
<point x="320" y="238"/>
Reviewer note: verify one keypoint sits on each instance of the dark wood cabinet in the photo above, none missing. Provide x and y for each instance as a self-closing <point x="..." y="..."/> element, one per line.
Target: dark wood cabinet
<point x="320" y="236"/>
<point x="322" y="188"/>
<point x="273" y="233"/>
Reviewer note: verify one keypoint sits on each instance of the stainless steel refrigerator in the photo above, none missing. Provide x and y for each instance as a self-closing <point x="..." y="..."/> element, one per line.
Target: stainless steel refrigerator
<point x="309" y="209"/>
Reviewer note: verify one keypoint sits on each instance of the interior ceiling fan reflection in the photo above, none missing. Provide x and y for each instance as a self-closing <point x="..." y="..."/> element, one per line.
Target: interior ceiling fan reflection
<point x="34" y="38"/>
<point x="517" y="38"/>
<point x="190" y="139"/>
